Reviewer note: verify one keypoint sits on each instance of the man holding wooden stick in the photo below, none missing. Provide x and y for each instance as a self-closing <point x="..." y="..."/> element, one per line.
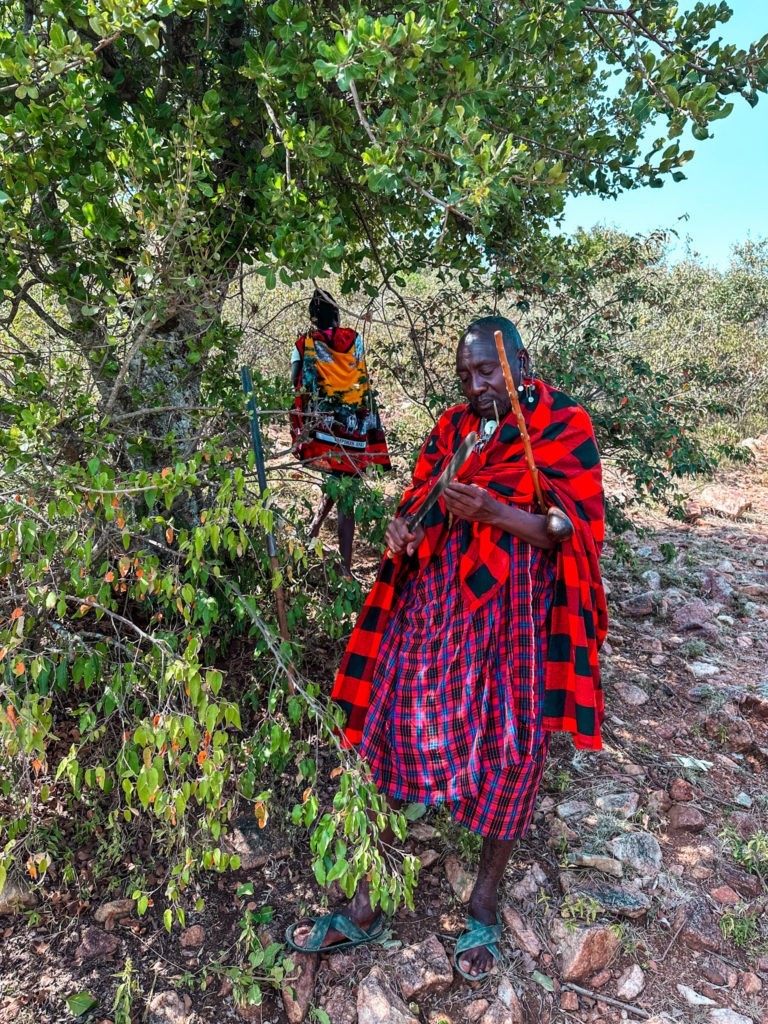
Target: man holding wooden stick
<point x="481" y="633"/>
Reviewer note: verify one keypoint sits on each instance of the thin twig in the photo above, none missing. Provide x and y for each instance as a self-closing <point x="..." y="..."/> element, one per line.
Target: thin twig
<point x="630" y="1007"/>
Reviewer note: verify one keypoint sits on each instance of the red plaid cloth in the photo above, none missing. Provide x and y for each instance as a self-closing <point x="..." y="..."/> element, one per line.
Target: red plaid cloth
<point x="569" y="470"/>
<point x="456" y="702"/>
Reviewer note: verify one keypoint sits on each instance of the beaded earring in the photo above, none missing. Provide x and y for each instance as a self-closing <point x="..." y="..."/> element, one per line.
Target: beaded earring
<point x="526" y="384"/>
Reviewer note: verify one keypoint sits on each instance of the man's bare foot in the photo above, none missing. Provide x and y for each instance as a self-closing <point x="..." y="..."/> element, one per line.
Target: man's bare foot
<point x="358" y="911"/>
<point x="478" y="960"/>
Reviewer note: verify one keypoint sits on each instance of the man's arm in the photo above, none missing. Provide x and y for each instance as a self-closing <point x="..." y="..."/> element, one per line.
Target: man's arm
<point x="478" y="506"/>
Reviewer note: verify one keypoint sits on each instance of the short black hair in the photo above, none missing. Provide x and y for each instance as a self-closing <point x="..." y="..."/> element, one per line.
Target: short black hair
<point x="487" y="326"/>
<point x="323" y="311"/>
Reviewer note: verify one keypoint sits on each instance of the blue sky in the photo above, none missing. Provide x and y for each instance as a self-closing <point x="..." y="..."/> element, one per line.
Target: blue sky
<point x="726" y="192"/>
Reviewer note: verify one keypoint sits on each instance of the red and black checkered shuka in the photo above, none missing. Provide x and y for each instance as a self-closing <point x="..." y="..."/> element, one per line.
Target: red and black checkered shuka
<point x="567" y="457"/>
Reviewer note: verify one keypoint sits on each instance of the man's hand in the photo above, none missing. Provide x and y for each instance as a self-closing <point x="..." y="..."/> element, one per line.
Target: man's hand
<point x="471" y="503"/>
<point x="400" y="538"/>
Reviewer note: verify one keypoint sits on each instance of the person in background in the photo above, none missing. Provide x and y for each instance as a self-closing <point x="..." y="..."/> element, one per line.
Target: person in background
<point x="335" y="426"/>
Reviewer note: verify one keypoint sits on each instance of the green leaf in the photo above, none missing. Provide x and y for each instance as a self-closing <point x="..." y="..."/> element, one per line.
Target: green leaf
<point x="81" y="1003"/>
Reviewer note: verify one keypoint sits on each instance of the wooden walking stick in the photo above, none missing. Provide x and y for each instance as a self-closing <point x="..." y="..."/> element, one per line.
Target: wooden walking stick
<point x="261" y="476"/>
<point x="559" y="526"/>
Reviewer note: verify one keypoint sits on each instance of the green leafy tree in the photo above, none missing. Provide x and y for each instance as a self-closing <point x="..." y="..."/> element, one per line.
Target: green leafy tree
<point x="151" y="151"/>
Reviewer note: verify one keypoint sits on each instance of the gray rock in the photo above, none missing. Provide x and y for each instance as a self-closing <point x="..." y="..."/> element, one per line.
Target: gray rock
<point x="623" y="805"/>
<point x="584" y="951"/>
<point x="639" y="851"/>
<point x="652" y="579"/>
<point x="613" y="899"/>
<point x="529" y="885"/>
<point x="726" y="1016"/>
<point x="639" y="605"/>
<point x="692" y="615"/>
<point x="16" y="897"/>
<point x="702" y="669"/>
<point x="694" y="998"/>
<point x="743" y="800"/>
<point x="377" y="1003"/>
<point x="631" y="983"/>
<point x="633" y="695"/>
<point x="424" y="968"/>
<point x="573" y="809"/>
<point x="697" y="927"/>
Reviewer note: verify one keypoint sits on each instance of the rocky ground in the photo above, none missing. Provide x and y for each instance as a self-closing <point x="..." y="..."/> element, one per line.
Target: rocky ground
<point x="640" y="893"/>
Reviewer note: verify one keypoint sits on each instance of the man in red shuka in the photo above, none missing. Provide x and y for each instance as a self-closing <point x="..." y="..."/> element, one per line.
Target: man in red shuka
<point x="480" y="636"/>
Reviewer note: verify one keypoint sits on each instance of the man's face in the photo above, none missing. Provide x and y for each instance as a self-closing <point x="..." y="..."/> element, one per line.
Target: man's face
<point x="481" y="377"/>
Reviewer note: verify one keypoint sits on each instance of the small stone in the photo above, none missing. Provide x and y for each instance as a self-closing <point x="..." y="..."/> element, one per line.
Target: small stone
<point x="15" y="897"/>
<point x="733" y="731"/>
<point x="726" y="895"/>
<point x="652" y="578"/>
<point x="696" y="926"/>
<point x="623" y="805"/>
<point x="439" y="1017"/>
<point x="341" y="1005"/>
<point x="428" y="857"/>
<point x="474" y="1011"/>
<point x="745" y="883"/>
<point x="600" y="979"/>
<point x="377" y="1003"/>
<point x="702" y="669"/>
<point x="713" y="976"/>
<point x="750" y="983"/>
<point x="584" y="951"/>
<point x="658" y="801"/>
<point x="569" y="1001"/>
<point x="598" y="862"/>
<point x="192" y="937"/>
<point x="498" y="1013"/>
<point x="639" y="605"/>
<point x="681" y="791"/>
<point x="725" y="1016"/>
<point x="525" y="938"/>
<point x="573" y="809"/>
<point x="694" y="998"/>
<point x="639" y="851"/>
<point x="507" y="996"/>
<point x="424" y="968"/>
<point x="422" y="832"/>
<point x="298" y="987"/>
<point x="692" y="615"/>
<point x="167" y="1008"/>
<point x="743" y="800"/>
<point x="460" y="880"/>
<point x="686" y="818"/>
<point x="108" y="913"/>
<point x="529" y="885"/>
<point x="96" y="945"/>
<point x="631" y="983"/>
<point x="633" y="695"/>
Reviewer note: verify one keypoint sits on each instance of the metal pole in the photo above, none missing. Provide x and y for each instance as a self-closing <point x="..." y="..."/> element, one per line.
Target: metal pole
<point x="261" y="476"/>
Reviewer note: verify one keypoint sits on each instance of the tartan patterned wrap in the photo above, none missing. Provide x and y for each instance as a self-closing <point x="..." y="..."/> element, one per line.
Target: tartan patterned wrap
<point x="566" y="454"/>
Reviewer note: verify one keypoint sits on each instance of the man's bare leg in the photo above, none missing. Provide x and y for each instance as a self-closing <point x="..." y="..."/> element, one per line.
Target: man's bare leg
<point x="484" y="901"/>
<point x="323" y="509"/>
<point x="346" y="537"/>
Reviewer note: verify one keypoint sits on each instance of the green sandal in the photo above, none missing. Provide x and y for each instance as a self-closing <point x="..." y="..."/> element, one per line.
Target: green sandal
<point x="355" y="936"/>
<point x="477" y="934"/>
